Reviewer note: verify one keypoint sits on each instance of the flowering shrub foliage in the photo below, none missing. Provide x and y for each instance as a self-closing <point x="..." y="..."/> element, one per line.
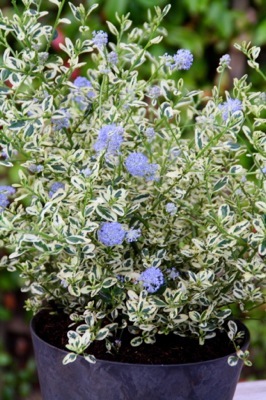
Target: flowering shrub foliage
<point x="134" y="208"/>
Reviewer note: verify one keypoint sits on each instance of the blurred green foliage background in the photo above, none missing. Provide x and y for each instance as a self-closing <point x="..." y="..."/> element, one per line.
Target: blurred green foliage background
<point x="209" y="28"/>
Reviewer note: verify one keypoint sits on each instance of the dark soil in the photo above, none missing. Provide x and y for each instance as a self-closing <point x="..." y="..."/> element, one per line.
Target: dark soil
<point x="170" y="349"/>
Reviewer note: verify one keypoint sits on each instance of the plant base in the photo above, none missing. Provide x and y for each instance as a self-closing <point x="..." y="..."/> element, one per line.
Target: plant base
<point x="213" y="379"/>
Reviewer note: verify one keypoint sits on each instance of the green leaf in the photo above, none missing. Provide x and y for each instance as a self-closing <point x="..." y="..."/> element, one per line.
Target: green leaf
<point x="232" y="326"/>
<point x="236" y="169"/>
<point x="74" y="290"/>
<point x="102" y="334"/>
<point x="108" y="282"/>
<point x="69" y="358"/>
<point x="198" y="139"/>
<point x="220" y="184"/>
<point x="16" y="126"/>
<point x="58" y="196"/>
<point x="137" y="341"/>
<point x="76" y="239"/>
<point x="41" y="246"/>
<point x="78" y="183"/>
<point x="58" y="167"/>
<point x="239" y="228"/>
<point x="89" y="210"/>
<point x="81" y="329"/>
<point x="90" y="358"/>
<point x="37" y="289"/>
<point x="118" y="210"/>
<point x="47" y="104"/>
<point x="194" y="316"/>
<point x="6" y="163"/>
<point x="262" y="248"/>
<point x="91" y="227"/>
<point x="78" y="155"/>
<point x="29" y="131"/>
<point x="158" y="302"/>
<point x="112" y="28"/>
<point x="105" y="213"/>
<point x="232" y="361"/>
<point x="224" y="211"/>
<point x="5" y="90"/>
<point x="89" y="250"/>
<point x="75" y="11"/>
<point x="199" y="244"/>
<point x="261" y="206"/>
<point x="141" y="198"/>
<point x="226" y="243"/>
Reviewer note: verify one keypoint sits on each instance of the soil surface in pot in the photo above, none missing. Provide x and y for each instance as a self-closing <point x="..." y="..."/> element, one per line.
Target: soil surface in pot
<point x="170" y="349"/>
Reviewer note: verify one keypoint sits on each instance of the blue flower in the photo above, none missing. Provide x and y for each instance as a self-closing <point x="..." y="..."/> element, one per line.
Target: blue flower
<point x="183" y="59"/>
<point x="154" y="92"/>
<point x="109" y="139"/>
<point x="100" y="39"/>
<point x="55" y="187"/>
<point x="81" y="82"/>
<point x="35" y="168"/>
<point x="132" y="235"/>
<point x="7" y="190"/>
<point x="137" y="164"/>
<point x="83" y="92"/>
<point x="229" y="107"/>
<point x="171" y="208"/>
<point x="225" y="60"/>
<point x="112" y="58"/>
<point x="86" y="172"/>
<point x="150" y="134"/>
<point x="3" y="202"/>
<point x="111" y="233"/>
<point x="173" y="273"/>
<point x="152" y="278"/>
<point x="4" y="153"/>
<point x="61" y="120"/>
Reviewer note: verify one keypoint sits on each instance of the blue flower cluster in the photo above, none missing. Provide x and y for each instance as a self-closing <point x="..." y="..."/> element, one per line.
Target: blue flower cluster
<point x="5" y="191"/>
<point x="152" y="279"/>
<point x="112" y="58"/>
<point x="55" y="187"/>
<point x="182" y="60"/>
<point x="86" y="172"/>
<point x="137" y="164"/>
<point x="110" y="138"/>
<point x="154" y="92"/>
<point x="132" y="235"/>
<point x="4" y="153"/>
<point x="171" y="208"/>
<point x="61" y="121"/>
<point x="83" y="92"/>
<point x="230" y="106"/>
<point x="35" y="168"/>
<point x="173" y="273"/>
<point x="225" y="60"/>
<point x="111" y="233"/>
<point x="150" y="134"/>
<point x="100" y="39"/>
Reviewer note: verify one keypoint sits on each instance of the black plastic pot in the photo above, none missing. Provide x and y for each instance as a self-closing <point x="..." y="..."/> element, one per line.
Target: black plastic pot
<point x="208" y="380"/>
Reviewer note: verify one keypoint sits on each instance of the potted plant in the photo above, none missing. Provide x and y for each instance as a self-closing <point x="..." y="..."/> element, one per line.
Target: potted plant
<point x="138" y="222"/>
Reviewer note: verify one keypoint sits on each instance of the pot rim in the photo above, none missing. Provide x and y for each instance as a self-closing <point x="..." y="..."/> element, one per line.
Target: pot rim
<point x="137" y="365"/>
